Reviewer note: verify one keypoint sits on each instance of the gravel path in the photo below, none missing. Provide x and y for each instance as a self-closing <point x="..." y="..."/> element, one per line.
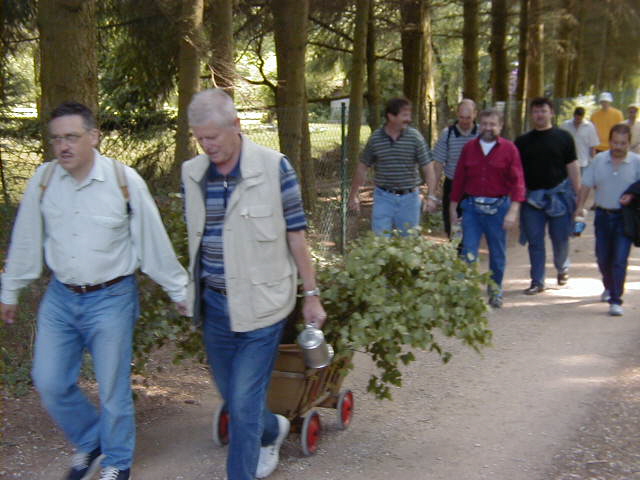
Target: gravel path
<point x="557" y="396"/>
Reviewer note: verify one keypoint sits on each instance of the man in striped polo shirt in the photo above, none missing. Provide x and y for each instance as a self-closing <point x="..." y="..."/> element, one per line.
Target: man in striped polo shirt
<point x="397" y="152"/>
<point x="447" y="151"/>
<point x="246" y="230"/>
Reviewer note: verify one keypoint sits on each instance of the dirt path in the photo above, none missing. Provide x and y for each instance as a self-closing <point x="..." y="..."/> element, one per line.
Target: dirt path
<point x="556" y="397"/>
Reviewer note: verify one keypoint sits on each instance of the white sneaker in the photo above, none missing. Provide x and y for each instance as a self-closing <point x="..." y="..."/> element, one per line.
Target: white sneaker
<point x="270" y="454"/>
<point x="615" y="310"/>
<point x="605" y="296"/>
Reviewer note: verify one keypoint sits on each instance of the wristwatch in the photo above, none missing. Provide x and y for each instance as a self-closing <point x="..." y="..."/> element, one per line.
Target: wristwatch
<point x="311" y="293"/>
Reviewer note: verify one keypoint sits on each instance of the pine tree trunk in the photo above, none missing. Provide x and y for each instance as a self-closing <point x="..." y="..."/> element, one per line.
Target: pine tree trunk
<point x="429" y="115"/>
<point x="603" y="81"/>
<point x="417" y="59"/>
<point x="221" y="63"/>
<point x="575" y="64"/>
<point x="520" y="100"/>
<point x="358" y="64"/>
<point x="68" y="61"/>
<point x="373" y="90"/>
<point x="564" y="48"/>
<point x="499" y="67"/>
<point x="307" y="165"/>
<point x="535" y="66"/>
<point x="3" y="54"/>
<point x="471" y="88"/>
<point x="191" y="41"/>
<point x="290" y="34"/>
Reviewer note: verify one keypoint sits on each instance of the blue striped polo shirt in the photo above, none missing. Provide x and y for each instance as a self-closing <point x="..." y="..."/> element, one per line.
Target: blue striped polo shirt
<point x="449" y="147"/>
<point x="396" y="162"/>
<point x="219" y="190"/>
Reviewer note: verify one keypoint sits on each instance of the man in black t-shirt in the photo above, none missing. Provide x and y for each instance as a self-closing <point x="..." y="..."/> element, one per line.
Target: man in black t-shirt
<point x="552" y="178"/>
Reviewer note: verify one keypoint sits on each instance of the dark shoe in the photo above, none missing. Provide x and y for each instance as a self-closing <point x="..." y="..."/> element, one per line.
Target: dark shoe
<point x="563" y="278"/>
<point x="534" y="289"/>
<point x="112" y="473"/>
<point x="84" y="465"/>
<point x="495" y="301"/>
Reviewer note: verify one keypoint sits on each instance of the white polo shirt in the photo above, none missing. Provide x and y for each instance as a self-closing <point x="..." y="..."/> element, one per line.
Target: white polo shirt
<point x="585" y="137"/>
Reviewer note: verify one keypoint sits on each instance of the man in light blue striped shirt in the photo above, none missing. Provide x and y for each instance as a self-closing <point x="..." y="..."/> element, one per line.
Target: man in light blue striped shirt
<point x="447" y="152"/>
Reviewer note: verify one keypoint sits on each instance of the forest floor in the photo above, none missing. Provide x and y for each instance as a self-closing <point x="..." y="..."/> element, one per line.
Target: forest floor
<point x="557" y="396"/>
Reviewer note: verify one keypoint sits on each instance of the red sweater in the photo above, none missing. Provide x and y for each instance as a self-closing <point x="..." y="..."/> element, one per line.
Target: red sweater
<point x="494" y="175"/>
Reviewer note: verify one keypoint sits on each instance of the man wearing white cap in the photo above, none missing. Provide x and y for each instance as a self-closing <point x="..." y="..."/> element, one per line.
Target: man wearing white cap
<point x="604" y="119"/>
<point x="634" y="125"/>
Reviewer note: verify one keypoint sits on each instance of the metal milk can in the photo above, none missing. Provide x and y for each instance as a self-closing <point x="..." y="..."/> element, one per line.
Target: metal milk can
<point x="316" y="351"/>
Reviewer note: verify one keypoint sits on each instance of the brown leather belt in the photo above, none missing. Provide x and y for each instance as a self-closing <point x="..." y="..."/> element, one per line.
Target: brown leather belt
<point x="93" y="288"/>
<point x="398" y="191"/>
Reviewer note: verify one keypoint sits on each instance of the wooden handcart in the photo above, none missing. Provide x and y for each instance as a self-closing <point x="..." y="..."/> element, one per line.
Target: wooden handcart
<point x="296" y="392"/>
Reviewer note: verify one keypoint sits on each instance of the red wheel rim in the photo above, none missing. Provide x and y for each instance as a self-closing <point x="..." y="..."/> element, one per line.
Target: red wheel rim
<point x="223" y="428"/>
<point x="347" y="408"/>
<point x="313" y="433"/>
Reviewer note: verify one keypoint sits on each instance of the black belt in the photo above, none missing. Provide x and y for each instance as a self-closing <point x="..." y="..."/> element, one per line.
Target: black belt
<point x="221" y="291"/>
<point x="398" y="191"/>
<point x="611" y="211"/>
<point x="93" y="288"/>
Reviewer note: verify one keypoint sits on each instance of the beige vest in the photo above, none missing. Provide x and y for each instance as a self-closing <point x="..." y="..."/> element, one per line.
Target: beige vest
<point x="260" y="272"/>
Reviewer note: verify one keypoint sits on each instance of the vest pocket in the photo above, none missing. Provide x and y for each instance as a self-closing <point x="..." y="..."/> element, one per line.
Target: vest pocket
<point x="270" y="296"/>
<point x="262" y="222"/>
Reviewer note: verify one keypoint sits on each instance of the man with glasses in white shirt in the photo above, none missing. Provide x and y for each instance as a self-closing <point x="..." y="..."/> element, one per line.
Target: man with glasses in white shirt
<point x="94" y="223"/>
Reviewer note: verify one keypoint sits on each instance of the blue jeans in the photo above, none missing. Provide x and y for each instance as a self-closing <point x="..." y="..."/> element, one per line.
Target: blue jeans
<point x="612" y="252"/>
<point x="474" y="225"/>
<point x="394" y="211"/>
<point x="534" y="223"/>
<point x="102" y="322"/>
<point x="241" y="363"/>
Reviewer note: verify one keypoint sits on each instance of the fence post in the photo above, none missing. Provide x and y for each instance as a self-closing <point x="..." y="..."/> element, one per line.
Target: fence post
<point x="343" y="187"/>
<point x="430" y="132"/>
<point x="5" y="191"/>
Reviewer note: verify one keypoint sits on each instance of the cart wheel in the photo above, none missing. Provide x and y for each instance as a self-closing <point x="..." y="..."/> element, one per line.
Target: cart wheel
<point x="345" y="409"/>
<point x="310" y="435"/>
<point x="221" y="426"/>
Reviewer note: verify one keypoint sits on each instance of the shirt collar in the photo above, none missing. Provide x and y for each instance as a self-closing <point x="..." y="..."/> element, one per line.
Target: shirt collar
<point x="499" y="140"/>
<point x="96" y="173"/>
<point x="458" y="132"/>
<point x="214" y="173"/>
<point x="626" y="159"/>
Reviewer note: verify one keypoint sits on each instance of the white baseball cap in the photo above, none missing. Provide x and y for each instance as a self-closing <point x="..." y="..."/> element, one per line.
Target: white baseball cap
<point x="605" y="97"/>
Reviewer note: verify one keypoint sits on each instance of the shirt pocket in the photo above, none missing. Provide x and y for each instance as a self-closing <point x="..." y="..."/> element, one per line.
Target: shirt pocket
<point x="107" y="232"/>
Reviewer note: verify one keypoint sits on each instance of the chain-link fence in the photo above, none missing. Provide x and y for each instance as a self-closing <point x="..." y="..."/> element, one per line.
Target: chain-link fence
<point x="150" y="151"/>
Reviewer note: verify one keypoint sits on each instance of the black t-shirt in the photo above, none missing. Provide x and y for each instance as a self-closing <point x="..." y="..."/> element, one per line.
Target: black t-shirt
<point x="545" y="155"/>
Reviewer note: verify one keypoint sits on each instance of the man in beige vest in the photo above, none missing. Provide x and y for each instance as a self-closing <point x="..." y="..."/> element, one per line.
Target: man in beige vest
<point x="246" y="229"/>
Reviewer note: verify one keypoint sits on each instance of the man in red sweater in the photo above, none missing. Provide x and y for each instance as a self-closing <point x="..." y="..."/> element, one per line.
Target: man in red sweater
<point x="489" y="185"/>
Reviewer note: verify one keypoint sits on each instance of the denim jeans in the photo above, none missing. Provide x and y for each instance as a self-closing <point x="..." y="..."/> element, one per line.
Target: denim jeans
<point x="534" y="223"/>
<point x="474" y="225"/>
<point x="612" y="252"/>
<point x="241" y="363"/>
<point x="102" y="322"/>
<point x="394" y="211"/>
<point x="446" y="201"/>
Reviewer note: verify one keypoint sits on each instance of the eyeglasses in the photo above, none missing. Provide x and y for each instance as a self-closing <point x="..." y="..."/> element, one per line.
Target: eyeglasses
<point x="70" y="138"/>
